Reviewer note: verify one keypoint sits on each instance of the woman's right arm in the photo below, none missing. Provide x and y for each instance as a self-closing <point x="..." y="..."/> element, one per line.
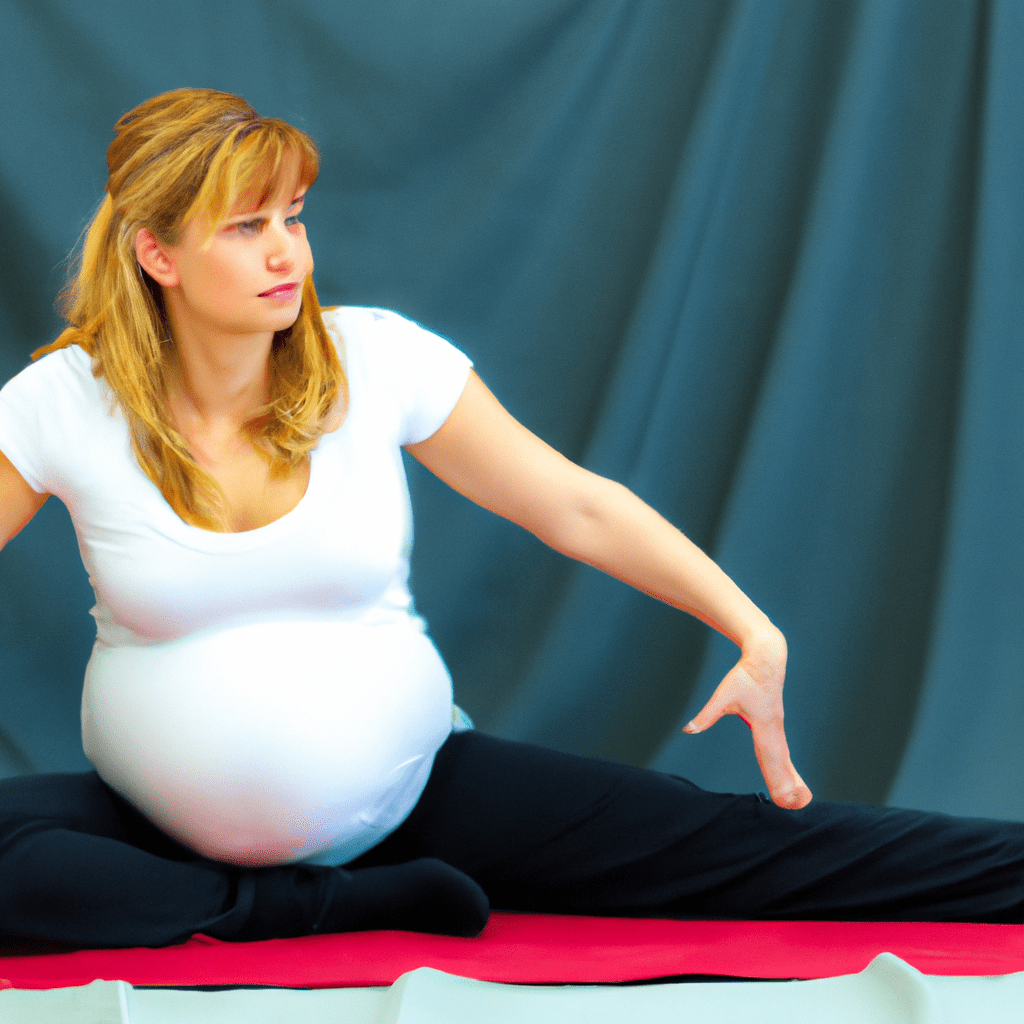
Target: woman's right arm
<point x="18" y="502"/>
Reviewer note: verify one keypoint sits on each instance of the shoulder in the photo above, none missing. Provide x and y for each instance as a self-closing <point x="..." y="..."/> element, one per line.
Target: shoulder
<point x="359" y="318"/>
<point x="50" y="412"/>
<point x="367" y="335"/>
<point x="64" y="380"/>
<point x="399" y="363"/>
<point x="371" y="324"/>
<point x="72" y="365"/>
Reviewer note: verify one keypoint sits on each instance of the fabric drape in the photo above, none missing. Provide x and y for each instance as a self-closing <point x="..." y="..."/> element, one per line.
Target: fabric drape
<point x="760" y="260"/>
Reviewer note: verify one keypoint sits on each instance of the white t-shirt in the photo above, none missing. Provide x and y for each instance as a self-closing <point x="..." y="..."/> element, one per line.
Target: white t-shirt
<point x="266" y="696"/>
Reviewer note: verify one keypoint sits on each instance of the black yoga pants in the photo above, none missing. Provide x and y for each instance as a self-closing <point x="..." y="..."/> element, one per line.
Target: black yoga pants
<point x="534" y="829"/>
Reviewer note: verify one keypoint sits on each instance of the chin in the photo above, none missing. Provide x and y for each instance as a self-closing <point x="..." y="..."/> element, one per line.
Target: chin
<point x="283" y="323"/>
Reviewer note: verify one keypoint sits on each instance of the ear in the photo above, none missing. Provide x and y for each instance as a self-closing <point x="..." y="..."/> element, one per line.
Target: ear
<point x="154" y="259"/>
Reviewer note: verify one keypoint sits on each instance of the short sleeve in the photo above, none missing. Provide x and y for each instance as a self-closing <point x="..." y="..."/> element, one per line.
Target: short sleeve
<point x="25" y="431"/>
<point x="425" y="373"/>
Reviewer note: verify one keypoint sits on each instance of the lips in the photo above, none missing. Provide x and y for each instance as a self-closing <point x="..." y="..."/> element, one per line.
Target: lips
<point x="282" y="291"/>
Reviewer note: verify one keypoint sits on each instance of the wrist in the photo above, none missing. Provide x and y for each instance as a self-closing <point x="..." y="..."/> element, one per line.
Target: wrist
<point x="764" y="641"/>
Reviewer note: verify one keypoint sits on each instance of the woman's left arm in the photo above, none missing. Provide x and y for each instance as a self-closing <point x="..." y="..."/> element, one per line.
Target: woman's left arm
<point x="488" y="456"/>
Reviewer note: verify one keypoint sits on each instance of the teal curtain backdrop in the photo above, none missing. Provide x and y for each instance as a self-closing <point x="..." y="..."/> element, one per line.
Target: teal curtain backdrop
<point x="761" y="261"/>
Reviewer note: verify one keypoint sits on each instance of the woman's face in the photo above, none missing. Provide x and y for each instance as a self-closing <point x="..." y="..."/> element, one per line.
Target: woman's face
<point x="246" y="278"/>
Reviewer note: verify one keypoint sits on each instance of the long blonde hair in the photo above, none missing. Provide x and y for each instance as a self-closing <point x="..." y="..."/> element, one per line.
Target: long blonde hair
<point x="187" y="153"/>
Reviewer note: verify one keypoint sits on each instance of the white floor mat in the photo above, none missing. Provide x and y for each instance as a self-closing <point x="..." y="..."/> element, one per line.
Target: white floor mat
<point x="888" y="991"/>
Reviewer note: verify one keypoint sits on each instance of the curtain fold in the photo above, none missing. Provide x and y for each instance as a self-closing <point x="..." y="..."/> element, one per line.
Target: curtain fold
<point x="838" y="513"/>
<point x="760" y="260"/>
<point x="964" y="752"/>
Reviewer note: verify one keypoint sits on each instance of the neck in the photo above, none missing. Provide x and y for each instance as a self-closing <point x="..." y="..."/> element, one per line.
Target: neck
<point x="218" y="381"/>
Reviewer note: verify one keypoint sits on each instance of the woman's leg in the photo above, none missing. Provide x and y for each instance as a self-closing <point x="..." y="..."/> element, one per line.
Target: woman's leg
<point x="78" y="864"/>
<point x="548" y="832"/>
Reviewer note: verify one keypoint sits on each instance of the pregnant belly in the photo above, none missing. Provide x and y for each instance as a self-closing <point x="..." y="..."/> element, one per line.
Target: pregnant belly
<point x="269" y="742"/>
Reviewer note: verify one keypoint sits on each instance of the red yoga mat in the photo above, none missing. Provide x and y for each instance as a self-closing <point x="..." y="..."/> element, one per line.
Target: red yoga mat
<point x="539" y="948"/>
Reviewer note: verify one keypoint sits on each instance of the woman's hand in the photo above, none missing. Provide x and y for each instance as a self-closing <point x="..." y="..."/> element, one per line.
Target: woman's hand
<point x="753" y="691"/>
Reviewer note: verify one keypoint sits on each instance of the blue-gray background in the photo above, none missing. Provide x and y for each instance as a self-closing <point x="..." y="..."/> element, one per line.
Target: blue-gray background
<point x="759" y="260"/>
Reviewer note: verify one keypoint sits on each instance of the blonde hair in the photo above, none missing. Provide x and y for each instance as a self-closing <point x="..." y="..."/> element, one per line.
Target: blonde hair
<point x="182" y="154"/>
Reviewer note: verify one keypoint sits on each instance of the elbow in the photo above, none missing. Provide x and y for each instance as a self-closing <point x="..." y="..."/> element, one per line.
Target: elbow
<point x="578" y="526"/>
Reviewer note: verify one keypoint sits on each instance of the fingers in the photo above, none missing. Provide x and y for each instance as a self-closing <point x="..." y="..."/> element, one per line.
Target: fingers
<point x="785" y="786"/>
<point x="724" y="701"/>
<point x="761" y="709"/>
<point x="704" y="719"/>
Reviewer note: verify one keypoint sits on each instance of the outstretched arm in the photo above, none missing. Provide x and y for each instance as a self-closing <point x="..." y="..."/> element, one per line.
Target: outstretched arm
<point x="485" y="454"/>
<point x="18" y="502"/>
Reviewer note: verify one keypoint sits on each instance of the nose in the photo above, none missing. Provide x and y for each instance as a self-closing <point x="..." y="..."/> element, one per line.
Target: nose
<point x="280" y="247"/>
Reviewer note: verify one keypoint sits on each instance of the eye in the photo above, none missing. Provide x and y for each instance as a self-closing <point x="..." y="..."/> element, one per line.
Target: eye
<point x="249" y="227"/>
<point x="295" y="212"/>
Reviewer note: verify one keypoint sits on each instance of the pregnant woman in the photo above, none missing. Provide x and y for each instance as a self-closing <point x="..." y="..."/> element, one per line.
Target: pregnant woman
<point x="275" y="746"/>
